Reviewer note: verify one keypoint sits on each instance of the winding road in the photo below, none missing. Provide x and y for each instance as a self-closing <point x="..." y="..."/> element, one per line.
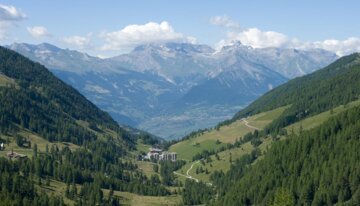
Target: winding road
<point x="247" y="124"/>
<point x="187" y="172"/>
<point x="189" y="176"/>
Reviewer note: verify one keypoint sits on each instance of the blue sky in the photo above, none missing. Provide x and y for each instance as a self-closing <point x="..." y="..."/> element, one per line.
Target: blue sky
<point x="108" y="28"/>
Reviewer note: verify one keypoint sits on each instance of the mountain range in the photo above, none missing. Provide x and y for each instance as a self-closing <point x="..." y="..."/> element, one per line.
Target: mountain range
<point x="171" y="89"/>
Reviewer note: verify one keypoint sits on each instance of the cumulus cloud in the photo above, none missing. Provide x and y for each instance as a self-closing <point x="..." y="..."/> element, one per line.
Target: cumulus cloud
<point x="257" y="38"/>
<point x="224" y="21"/>
<point x="260" y="39"/>
<point x="38" y="31"/>
<point x="340" y="47"/>
<point x="134" y="35"/>
<point x="80" y="42"/>
<point x="9" y="15"/>
<point x="253" y="37"/>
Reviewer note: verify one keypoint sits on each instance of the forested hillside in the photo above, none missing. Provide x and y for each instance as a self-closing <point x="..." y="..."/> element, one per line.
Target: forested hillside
<point x="317" y="167"/>
<point x="322" y="90"/>
<point x="44" y="104"/>
<point x="81" y="145"/>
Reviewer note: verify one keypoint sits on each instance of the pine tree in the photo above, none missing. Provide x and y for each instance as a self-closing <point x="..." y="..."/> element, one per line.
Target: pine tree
<point x="67" y="191"/>
<point x="35" y="150"/>
<point x="283" y="197"/>
<point x="47" y="181"/>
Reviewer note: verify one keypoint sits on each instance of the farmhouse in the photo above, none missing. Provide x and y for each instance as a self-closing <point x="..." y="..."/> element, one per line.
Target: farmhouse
<point x="158" y="154"/>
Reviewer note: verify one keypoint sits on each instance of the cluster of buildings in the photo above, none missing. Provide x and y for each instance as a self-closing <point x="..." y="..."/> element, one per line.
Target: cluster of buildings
<point x="159" y="155"/>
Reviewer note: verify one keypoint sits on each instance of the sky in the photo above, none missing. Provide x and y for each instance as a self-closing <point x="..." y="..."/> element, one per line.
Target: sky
<point x="108" y="28"/>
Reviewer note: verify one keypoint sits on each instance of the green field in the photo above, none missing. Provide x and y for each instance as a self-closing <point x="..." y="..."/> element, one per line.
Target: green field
<point x="262" y="119"/>
<point x="42" y="142"/>
<point x="316" y="120"/>
<point x="189" y="148"/>
<point x="127" y="198"/>
<point x="6" y="81"/>
<point x="226" y="134"/>
<point x="35" y="139"/>
<point x="57" y="188"/>
<point x="141" y="147"/>
<point x="222" y="164"/>
<point x="146" y="167"/>
<point x="224" y="160"/>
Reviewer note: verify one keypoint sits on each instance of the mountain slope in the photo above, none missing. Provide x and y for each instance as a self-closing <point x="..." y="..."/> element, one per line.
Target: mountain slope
<point x="241" y="82"/>
<point x="62" y="59"/>
<point x="52" y="135"/>
<point x="45" y="105"/>
<point x="334" y="85"/>
<point x="288" y="62"/>
<point x="182" y="64"/>
<point x="318" y="167"/>
<point x="130" y="97"/>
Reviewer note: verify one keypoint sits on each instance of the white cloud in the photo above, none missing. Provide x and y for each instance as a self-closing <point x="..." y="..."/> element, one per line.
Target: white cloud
<point x="259" y="39"/>
<point x="340" y="47"/>
<point x="134" y="35"/>
<point x="253" y="37"/>
<point x="80" y="42"/>
<point x="224" y="21"/>
<point x="9" y="15"/>
<point x="38" y="31"/>
<point x="256" y="38"/>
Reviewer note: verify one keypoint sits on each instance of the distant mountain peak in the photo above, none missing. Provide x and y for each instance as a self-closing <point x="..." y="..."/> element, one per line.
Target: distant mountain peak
<point x="174" y="47"/>
<point x="48" y="46"/>
<point x="60" y="59"/>
<point x="33" y="47"/>
<point x="235" y="45"/>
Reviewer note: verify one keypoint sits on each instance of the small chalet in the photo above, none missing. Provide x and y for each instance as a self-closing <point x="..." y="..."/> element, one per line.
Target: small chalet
<point x="15" y="156"/>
